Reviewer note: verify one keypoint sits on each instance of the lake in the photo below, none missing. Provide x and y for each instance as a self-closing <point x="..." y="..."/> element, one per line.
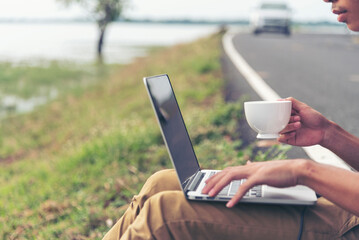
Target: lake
<point x="36" y="42"/>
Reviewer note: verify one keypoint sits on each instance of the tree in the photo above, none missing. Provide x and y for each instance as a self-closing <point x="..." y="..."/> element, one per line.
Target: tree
<point x="104" y="12"/>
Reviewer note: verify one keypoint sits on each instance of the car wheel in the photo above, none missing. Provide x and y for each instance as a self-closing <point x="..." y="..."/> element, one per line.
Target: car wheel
<point x="287" y="31"/>
<point x="256" y="32"/>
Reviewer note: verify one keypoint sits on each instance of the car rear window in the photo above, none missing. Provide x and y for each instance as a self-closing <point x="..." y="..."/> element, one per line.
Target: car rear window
<point x="274" y="6"/>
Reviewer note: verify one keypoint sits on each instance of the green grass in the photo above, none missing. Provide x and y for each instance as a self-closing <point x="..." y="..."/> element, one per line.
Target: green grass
<point x="29" y="81"/>
<point x="70" y="168"/>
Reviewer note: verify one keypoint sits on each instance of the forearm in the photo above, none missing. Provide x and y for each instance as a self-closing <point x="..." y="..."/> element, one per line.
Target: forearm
<point x="337" y="185"/>
<point x="343" y="144"/>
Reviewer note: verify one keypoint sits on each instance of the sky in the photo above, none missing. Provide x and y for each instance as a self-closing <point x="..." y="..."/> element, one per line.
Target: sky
<point x="161" y="9"/>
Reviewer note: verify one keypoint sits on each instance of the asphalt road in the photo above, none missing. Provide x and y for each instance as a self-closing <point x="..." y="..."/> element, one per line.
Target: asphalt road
<point x="321" y="70"/>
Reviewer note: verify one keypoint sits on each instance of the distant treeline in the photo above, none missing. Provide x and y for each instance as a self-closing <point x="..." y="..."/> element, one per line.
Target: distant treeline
<point x="162" y="21"/>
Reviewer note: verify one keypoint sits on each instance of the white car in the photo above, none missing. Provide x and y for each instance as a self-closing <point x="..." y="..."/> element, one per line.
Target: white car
<point x="271" y="17"/>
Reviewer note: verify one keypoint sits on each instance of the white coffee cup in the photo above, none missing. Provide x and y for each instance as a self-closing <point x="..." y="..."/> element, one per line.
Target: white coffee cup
<point x="268" y="118"/>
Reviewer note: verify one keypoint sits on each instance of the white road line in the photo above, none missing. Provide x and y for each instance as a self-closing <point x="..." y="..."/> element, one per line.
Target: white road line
<point x="317" y="153"/>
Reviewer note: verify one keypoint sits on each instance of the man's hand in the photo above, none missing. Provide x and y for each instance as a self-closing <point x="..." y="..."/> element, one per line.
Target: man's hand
<point x="306" y="127"/>
<point x="280" y="173"/>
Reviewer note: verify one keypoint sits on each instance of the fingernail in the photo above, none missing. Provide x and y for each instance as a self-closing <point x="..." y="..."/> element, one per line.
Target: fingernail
<point x="211" y="193"/>
<point x="229" y="204"/>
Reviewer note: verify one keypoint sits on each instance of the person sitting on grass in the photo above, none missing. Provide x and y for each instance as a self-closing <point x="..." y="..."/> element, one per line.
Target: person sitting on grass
<point x="161" y="211"/>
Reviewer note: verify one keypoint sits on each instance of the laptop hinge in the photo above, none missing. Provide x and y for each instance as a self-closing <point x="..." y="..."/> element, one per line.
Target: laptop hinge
<point x="188" y="182"/>
<point x="196" y="180"/>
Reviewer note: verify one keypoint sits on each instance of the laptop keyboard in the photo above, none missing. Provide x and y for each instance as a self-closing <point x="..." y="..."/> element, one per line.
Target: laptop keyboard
<point x="231" y="189"/>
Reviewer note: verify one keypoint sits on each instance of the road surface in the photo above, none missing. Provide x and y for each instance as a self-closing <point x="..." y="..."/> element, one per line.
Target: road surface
<point x="321" y="70"/>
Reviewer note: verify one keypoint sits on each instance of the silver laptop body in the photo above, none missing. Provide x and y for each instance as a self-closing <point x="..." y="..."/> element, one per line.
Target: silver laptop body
<point x="191" y="177"/>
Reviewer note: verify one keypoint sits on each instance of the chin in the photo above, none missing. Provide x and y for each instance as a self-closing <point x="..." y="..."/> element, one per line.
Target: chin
<point x="353" y="27"/>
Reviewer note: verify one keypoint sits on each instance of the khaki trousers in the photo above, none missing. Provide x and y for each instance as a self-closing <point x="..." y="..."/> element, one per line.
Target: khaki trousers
<point x="161" y="211"/>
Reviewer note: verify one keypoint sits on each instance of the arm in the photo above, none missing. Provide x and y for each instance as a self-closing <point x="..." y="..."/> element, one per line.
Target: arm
<point x="335" y="184"/>
<point x="308" y="127"/>
<point x="331" y="182"/>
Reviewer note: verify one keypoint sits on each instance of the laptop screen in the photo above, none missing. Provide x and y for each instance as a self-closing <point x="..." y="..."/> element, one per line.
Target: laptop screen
<point x="172" y="125"/>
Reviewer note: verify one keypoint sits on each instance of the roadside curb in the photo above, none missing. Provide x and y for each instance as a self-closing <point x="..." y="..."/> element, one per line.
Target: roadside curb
<point x="317" y="153"/>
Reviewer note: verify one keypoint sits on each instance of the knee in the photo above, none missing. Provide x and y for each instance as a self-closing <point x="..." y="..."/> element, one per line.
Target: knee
<point x="164" y="180"/>
<point x="162" y="175"/>
<point x="170" y="205"/>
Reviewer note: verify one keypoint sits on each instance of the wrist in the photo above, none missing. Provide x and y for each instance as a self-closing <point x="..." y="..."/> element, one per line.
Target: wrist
<point x="304" y="169"/>
<point x="331" y="131"/>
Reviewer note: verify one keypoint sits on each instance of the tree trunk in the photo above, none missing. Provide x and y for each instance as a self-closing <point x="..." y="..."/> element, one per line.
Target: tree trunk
<point x="100" y="41"/>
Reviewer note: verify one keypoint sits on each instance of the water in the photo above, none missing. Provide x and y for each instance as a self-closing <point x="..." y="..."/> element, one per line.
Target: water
<point x="32" y="43"/>
<point x="10" y="104"/>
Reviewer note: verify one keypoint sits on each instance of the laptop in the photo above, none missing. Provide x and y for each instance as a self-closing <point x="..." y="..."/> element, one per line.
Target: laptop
<point x="191" y="177"/>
